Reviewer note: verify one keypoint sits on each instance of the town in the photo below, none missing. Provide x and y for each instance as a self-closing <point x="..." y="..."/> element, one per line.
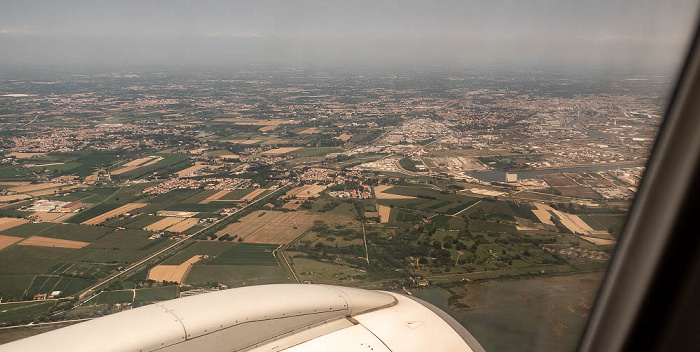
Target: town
<point x="136" y="187"/>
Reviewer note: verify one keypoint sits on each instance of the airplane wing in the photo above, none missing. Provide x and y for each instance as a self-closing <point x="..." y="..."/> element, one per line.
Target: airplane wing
<point x="284" y="317"/>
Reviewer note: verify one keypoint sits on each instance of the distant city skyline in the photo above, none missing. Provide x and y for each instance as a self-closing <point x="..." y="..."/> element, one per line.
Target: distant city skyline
<point x="625" y="34"/>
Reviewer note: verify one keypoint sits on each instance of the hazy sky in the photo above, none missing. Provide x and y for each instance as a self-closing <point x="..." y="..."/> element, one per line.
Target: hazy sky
<point x="623" y="33"/>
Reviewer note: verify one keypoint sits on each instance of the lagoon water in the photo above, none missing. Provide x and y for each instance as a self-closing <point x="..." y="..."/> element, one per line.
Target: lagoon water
<point x="541" y="314"/>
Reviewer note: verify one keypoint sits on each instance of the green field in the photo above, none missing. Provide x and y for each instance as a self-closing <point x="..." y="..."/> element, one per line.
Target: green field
<point x="238" y="193"/>
<point x="182" y="196"/>
<point x="16" y="287"/>
<point x="247" y="254"/>
<point x="23" y="312"/>
<point x="324" y="273"/>
<point x="66" y="231"/>
<point x="210" y="248"/>
<point x="93" y="196"/>
<point x="138" y="222"/>
<point x="47" y="284"/>
<point x="157" y="294"/>
<point x="13" y="287"/>
<point x="609" y="222"/>
<point x="29" y="260"/>
<point x="315" y="151"/>
<point x="488" y="226"/>
<point x="113" y="297"/>
<point x="82" y="269"/>
<point x="237" y="275"/>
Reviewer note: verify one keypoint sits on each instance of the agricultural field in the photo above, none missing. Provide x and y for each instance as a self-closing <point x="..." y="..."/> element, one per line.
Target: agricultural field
<point x="170" y="163"/>
<point x="306" y="191"/>
<point x="163" y="224"/>
<point x="275" y="227"/>
<point x="172" y="273"/>
<point x="52" y="242"/>
<point x="203" y="248"/>
<point x="280" y="151"/>
<point x="51" y="217"/>
<point x="8" y="240"/>
<point x="318" y="272"/>
<point x="92" y="212"/>
<point x="16" y="312"/>
<point x="8" y="223"/>
<point x="113" y="213"/>
<point x="237" y="275"/>
<point x="247" y="254"/>
<point x="24" y="287"/>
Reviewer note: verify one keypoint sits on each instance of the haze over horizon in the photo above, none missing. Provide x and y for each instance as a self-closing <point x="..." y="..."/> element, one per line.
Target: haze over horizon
<point x="631" y="35"/>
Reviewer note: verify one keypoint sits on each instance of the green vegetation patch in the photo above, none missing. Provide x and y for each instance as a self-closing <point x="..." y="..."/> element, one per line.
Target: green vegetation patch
<point x="210" y="248"/>
<point x="236" y="275"/>
<point x="23" y="312"/>
<point x="238" y="193"/>
<point x="487" y="226"/>
<point x="247" y="254"/>
<point x="113" y="297"/>
<point x="315" y="151"/>
<point x="157" y="294"/>
<point x="13" y="287"/>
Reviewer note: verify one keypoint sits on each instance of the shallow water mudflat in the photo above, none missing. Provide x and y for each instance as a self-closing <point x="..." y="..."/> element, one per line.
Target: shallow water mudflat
<point x="541" y="314"/>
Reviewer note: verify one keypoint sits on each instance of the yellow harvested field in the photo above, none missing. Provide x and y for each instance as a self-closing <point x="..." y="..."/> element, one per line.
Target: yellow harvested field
<point x="215" y="196"/>
<point x="306" y="191"/>
<point x="163" y="224"/>
<point x="570" y="221"/>
<point x="92" y="178"/>
<point x="19" y="155"/>
<point x="196" y="167"/>
<point x="15" y="183"/>
<point x="574" y="223"/>
<point x="8" y="240"/>
<point x="112" y="213"/>
<point x="384" y="212"/>
<point x="344" y="137"/>
<point x="379" y="193"/>
<point x="277" y="227"/>
<point x="8" y="223"/>
<point x="36" y="187"/>
<point x="52" y="217"/>
<point x="257" y="122"/>
<point x="250" y="196"/>
<point x="14" y="197"/>
<point x="38" y="241"/>
<point x="44" y="192"/>
<point x="310" y="130"/>
<point x="172" y="273"/>
<point x="183" y="225"/>
<point x="542" y="213"/>
<point x="267" y="128"/>
<point x="598" y="241"/>
<point x="138" y="163"/>
<point x="280" y="151"/>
